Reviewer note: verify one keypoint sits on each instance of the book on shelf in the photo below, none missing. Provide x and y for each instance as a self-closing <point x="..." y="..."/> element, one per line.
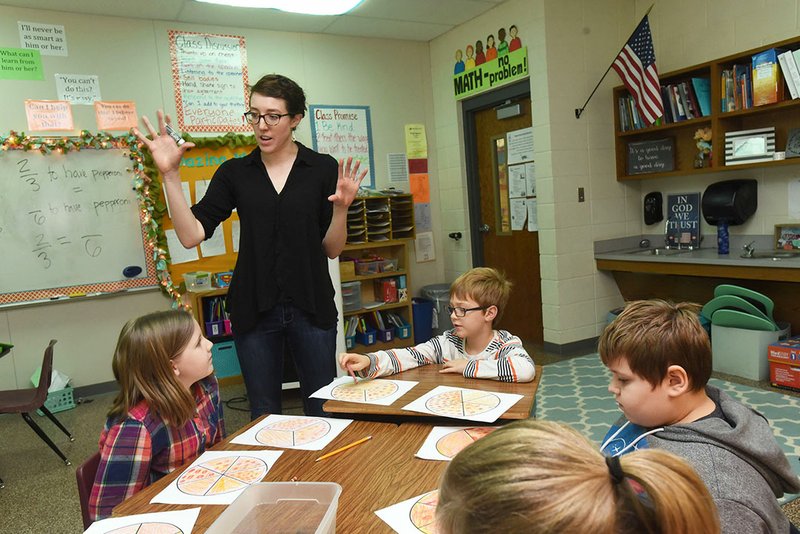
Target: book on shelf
<point x="767" y="79"/>
<point x="790" y="72"/>
<point x="702" y="91"/>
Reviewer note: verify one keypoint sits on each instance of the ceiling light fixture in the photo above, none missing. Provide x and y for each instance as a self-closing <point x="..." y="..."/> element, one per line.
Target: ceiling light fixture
<point x="305" y="7"/>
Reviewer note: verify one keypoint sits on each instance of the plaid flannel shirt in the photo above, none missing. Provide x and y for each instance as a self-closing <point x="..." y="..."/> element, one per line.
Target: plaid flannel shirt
<point x="140" y="449"/>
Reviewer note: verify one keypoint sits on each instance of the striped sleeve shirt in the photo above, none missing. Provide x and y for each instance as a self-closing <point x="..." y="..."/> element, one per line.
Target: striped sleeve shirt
<point x="140" y="449"/>
<point x="503" y="359"/>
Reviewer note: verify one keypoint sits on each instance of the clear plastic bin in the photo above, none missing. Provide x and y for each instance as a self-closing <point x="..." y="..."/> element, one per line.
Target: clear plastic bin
<point x="351" y="296"/>
<point x="389" y="265"/>
<point x="281" y="508"/>
<point x="368" y="267"/>
<point x="197" y="281"/>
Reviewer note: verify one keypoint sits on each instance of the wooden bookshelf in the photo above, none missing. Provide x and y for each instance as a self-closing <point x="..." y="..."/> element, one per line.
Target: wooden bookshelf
<point x="783" y="116"/>
<point x="394" y="250"/>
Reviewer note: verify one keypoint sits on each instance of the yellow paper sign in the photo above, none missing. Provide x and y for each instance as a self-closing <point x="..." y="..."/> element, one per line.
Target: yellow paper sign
<point x="49" y="115"/>
<point x="416" y="141"/>
<point x="115" y="115"/>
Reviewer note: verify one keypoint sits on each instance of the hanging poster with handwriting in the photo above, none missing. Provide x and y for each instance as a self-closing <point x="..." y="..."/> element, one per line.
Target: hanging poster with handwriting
<point x="647" y="157"/>
<point x="49" y="116"/>
<point x="209" y="74"/>
<point x="71" y="224"/>
<point x="115" y="115"/>
<point x="343" y="132"/>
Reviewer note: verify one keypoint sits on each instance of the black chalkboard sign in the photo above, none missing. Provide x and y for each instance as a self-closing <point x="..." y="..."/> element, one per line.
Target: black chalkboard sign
<point x="647" y="157"/>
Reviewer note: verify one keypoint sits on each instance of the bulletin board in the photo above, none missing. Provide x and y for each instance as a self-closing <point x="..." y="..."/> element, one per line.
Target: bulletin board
<point x="199" y="164"/>
<point x="73" y="218"/>
<point x="343" y="132"/>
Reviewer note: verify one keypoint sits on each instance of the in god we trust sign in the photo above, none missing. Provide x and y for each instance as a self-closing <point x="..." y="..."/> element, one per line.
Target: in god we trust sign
<point x="683" y="220"/>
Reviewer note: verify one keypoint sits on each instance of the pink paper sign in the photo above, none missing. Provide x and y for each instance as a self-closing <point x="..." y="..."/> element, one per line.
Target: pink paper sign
<point x="115" y="115"/>
<point x="49" y="115"/>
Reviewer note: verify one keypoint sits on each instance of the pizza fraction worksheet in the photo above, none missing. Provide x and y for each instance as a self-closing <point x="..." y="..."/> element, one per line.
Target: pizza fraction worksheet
<point x="175" y="522"/>
<point x="293" y="432"/>
<point x="218" y="477"/>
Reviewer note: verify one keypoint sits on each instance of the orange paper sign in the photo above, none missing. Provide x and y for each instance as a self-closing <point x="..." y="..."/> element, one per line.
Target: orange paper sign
<point x="115" y="115"/>
<point x="49" y="115"/>
<point x="420" y="187"/>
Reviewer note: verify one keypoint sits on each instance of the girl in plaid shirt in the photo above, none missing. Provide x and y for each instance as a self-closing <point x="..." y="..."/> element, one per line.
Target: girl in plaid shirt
<point x="168" y="409"/>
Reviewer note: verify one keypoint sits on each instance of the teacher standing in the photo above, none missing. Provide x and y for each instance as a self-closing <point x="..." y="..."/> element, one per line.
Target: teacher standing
<point x="292" y="204"/>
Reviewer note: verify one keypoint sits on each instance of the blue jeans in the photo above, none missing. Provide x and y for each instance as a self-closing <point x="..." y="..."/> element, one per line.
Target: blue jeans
<point x="260" y="353"/>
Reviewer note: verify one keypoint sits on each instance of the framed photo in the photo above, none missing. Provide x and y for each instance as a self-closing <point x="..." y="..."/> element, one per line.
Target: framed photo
<point x="749" y="146"/>
<point x="793" y="143"/>
<point x="787" y="236"/>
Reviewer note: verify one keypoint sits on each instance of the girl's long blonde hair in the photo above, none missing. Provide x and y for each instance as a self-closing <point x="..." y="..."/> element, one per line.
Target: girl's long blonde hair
<point x="542" y="477"/>
<point x="143" y="369"/>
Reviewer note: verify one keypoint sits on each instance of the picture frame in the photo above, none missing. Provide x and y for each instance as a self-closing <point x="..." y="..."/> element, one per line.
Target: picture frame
<point x="793" y="143"/>
<point x="787" y="236"/>
<point x="749" y="146"/>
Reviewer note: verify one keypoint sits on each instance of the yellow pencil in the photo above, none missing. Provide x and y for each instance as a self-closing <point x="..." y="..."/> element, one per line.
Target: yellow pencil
<point x="341" y="449"/>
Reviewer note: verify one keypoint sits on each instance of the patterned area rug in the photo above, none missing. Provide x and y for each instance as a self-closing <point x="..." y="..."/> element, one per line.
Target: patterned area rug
<point x="576" y="392"/>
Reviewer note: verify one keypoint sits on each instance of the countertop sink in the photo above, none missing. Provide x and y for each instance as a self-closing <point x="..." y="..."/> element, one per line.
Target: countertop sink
<point x="659" y="251"/>
<point x="775" y="254"/>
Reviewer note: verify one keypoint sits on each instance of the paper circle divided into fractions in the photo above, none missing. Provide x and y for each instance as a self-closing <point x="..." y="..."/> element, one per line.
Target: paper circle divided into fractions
<point x="451" y="444"/>
<point x="365" y="391"/>
<point x="423" y="512"/>
<point x="459" y="403"/>
<point x="293" y="432"/>
<point x="222" y="475"/>
<point x="147" y="528"/>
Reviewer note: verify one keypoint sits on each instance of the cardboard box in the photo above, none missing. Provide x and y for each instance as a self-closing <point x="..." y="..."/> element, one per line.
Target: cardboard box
<point x="784" y="376"/>
<point x="786" y="351"/>
<point x="386" y="290"/>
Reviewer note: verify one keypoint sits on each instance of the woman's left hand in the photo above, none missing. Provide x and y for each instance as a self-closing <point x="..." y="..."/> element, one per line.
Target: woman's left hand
<point x="348" y="183"/>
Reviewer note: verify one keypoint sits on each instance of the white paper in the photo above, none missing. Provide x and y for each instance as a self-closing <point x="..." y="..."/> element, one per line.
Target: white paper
<point x="218" y="477"/>
<point x="200" y="188"/>
<point x="177" y="253"/>
<point x="293" y="432"/>
<point x="398" y="167"/>
<point x="520" y="146"/>
<point x="533" y="221"/>
<point x="236" y="230"/>
<point x="517" y="186"/>
<point x="412" y="516"/>
<point x="422" y="216"/>
<point x="185" y="189"/>
<point x="519" y="212"/>
<point x="215" y="245"/>
<point x="423" y="247"/>
<point x="379" y="391"/>
<point x="48" y="39"/>
<point x="177" y="521"/>
<point x="444" y="442"/>
<point x="79" y="89"/>
<point x="530" y="179"/>
<point x="462" y="403"/>
<point x="794" y="199"/>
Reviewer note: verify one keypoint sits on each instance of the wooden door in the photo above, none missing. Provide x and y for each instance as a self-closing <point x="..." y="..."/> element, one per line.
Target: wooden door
<point x="515" y="252"/>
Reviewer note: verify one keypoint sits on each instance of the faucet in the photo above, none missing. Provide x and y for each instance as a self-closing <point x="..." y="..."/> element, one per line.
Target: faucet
<point x="748" y="250"/>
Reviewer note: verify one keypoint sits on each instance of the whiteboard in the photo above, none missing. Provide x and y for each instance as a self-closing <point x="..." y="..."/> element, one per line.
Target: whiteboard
<point x="69" y="223"/>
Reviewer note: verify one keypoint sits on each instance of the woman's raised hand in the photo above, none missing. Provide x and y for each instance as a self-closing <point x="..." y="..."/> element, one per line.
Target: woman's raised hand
<point x="167" y="154"/>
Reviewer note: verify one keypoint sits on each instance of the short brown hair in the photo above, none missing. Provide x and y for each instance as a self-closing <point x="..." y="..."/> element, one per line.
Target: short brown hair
<point x="143" y="369"/>
<point x="484" y="285"/>
<point x="541" y="477"/>
<point x="277" y="86"/>
<point x="653" y="334"/>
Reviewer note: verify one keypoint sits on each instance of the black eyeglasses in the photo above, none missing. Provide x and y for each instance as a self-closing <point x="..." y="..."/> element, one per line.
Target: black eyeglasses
<point x="270" y="119"/>
<point x="461" y="312"/>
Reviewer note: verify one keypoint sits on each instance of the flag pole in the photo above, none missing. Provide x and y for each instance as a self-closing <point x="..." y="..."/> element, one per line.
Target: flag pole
<point x="579" y="111"/>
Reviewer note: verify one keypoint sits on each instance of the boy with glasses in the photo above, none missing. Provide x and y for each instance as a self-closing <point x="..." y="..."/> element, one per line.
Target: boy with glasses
<point x="472" y="347"/>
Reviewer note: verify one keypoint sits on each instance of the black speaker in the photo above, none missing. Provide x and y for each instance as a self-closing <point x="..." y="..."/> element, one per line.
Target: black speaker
<point x="653" y="208"/>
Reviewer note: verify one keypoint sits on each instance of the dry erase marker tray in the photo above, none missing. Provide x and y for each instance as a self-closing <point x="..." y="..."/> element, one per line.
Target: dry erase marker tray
<point x="282" y="508"/>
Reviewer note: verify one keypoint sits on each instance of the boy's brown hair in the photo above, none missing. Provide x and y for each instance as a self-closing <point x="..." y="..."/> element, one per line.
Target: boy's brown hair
<point x="484" y="285"/>
<point x="653" y="334"/>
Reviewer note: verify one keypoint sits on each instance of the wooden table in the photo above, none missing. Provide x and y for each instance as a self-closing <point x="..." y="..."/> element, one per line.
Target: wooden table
<point x="429" y="378"/>
<point x="376" y="474"/>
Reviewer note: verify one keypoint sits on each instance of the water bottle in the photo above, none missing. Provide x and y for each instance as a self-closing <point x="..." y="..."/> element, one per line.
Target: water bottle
<point x="723" y="238"/>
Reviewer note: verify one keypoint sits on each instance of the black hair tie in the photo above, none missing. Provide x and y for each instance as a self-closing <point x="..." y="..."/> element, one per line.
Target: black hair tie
<point x="615" y="468"/>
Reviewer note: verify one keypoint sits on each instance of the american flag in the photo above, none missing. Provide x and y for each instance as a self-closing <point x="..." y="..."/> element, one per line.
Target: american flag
<point x="636" y="65"/>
